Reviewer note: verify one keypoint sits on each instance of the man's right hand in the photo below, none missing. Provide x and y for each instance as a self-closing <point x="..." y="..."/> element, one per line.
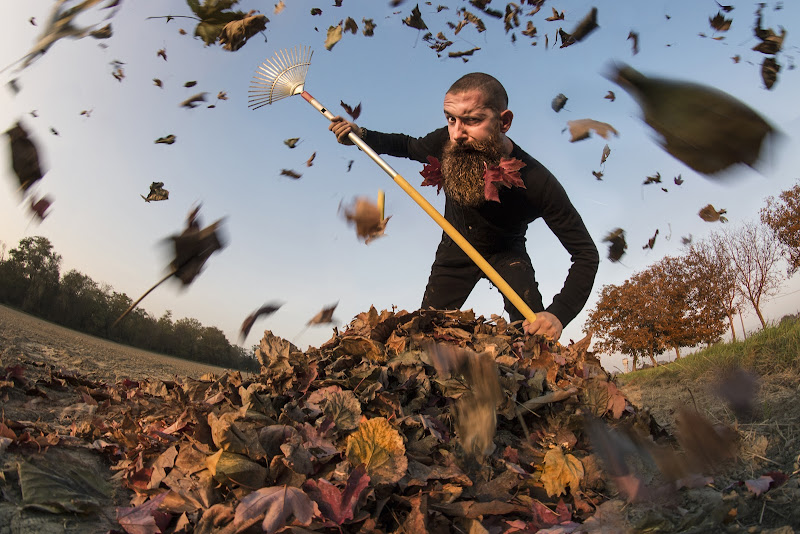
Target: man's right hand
<point x="341" y="128"/>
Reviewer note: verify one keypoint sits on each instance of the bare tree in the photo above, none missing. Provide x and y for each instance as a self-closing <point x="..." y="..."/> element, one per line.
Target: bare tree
<point x="756" y="255"/>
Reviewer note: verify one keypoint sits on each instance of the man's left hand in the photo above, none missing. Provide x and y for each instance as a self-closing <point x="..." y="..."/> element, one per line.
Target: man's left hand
<point x="546" y="324"/>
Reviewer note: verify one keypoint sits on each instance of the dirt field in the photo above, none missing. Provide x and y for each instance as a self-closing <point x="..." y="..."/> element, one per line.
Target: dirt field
<point x="93" y="357"/>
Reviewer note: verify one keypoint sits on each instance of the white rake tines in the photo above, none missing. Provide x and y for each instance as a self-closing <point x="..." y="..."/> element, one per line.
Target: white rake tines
<point x="281" y="76"/>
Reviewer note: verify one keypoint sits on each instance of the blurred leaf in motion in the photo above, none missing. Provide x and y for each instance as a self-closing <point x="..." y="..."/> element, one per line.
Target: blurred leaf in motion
<point x="24" y="157"/>
<point x="366" y="217"/>
<point x="324" y="316"/>
<point x="194" y="246"/>
<point x="617" y="245"/>
<point x="709" y="214"/>
<point x="582" y="128"/>
<point x="267" y="309"/>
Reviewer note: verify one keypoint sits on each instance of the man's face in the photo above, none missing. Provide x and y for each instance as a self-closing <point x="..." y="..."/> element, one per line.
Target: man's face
<point x="469" y="120"/>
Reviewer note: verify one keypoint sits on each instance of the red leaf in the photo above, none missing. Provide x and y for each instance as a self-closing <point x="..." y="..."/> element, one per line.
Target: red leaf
<point x="759" y="485"/>
<point x="335" y="504"/>
<point x="506" y="174"/>
<point x="432" y="172"/>
<point x="143" y="519"/>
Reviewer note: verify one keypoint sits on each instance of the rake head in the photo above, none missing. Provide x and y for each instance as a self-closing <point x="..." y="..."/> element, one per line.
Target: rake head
<point x="280" y="76"/>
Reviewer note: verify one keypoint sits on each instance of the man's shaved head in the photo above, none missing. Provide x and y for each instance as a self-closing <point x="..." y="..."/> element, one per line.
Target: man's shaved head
<point x="493" y="91"/>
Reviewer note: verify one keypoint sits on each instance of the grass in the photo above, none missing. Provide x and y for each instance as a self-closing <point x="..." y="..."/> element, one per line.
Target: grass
<point x="775" y="349"/>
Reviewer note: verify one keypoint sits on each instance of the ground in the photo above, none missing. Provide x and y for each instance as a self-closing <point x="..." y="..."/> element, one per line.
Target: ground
<point x="769" y="440"/>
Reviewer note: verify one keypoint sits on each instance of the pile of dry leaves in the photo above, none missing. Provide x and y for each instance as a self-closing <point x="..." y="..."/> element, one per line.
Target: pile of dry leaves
<point x="405" y="422"/>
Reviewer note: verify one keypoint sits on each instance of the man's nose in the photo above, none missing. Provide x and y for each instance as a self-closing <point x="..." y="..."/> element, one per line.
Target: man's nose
<point x="459" y="132"/>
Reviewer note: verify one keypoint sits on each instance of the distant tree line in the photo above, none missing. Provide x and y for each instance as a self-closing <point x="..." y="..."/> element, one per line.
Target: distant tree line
<point x="690" y="299"/>
<point x="30" y="280"/>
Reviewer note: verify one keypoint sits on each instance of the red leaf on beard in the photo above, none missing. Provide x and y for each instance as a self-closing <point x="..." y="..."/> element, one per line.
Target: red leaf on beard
<point x="506" y="174"/>
<point x="432" y="172"/>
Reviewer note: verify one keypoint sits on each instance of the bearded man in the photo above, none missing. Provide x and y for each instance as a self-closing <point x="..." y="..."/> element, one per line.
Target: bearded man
<point x="493" y="191"/>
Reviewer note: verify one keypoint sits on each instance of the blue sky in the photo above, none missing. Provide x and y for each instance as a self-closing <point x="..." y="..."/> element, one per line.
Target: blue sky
<point x="286" y="241"/>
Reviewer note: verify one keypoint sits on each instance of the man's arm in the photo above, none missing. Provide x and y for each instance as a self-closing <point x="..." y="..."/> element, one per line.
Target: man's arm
<point x="392" y="144"/>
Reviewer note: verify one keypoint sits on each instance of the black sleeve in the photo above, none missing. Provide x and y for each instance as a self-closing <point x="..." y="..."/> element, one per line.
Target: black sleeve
<point x="564" y="221"/>
<point x="405" y="146"/>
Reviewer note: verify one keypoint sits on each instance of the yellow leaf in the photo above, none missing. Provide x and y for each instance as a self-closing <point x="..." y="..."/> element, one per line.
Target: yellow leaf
<point x="561" y="470"/>
<point x="334" y="36"/>
<point x="379" y="447"/>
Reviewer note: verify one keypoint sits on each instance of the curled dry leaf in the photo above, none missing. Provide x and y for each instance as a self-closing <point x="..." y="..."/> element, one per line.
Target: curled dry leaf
<point x="616" y="244"/>
<point x="678" y="180"/>
<point x="555" y="16"/>
<point x="310" y="160"/>
<point x="291" y="174"/>
<point x="369" y="27"/>
<point x="559" y="102"/>
<point x="581" y="129"/>
<point x="703" y="127"/>
<point x="709" y="214"/>
<point x="366" y="217"/>
<point x="162" y="54"/>
<point x="157" y="192"/>
<point x="194" y="246"/>
<point x="263" y="311"/>
<point x="598" y="174"/>
<point x="102" y="33"/>
<point x="24" y="157"/>
<point x="291" y="142"/>
<point x="167" y="140"/>
<point x="606" y="153"/>
<point x="651" y="242"/>
<point x="324" y="316"/>
<point x="194" y="101"/>
<point x="222" y="95"/>
<point x="158" y="83"/>
<point x="414" y="20"/>
<point x="586" y="26"/>
<point x="333" y="36"/>
<point x="610" y="96"/>
<point x="353" y="112"/>
<point x="190" y="84"/>
<point x="236" y="33"/>
<point x="316" y="11"/>
<point x="720" y="23"/>
<point x="350" y="25"/>
<point x="655" y="179"/>
<point x="279" y="7"/>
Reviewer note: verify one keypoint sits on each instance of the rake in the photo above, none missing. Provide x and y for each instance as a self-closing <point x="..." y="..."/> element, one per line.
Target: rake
<point x="284" y="75"/>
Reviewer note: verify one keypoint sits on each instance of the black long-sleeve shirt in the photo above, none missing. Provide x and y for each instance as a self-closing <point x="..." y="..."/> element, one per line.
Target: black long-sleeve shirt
<point x="495" y="226"/>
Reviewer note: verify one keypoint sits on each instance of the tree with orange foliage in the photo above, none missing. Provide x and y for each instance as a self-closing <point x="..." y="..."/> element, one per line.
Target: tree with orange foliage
<point x="782" y="216"/>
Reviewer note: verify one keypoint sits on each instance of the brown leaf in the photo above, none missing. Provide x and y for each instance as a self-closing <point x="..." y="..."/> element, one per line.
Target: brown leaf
<point x="194" y="246"/>
<point x="279" y="7"/>
<point x="193" y="101"/>
<point x="291" y="174"/>
<point x="144" y="519"/>
<point x="369" y="27"/>
<point x="559" y="102"/>
<point x="561" y="470"/>
<point x="158" y="83"/>
<point x="606" y="153"/>
<point x="366" y="217"/>
<point x="555" y="16"/>
<point x="581" y="129"/>
<point x="720" y="23"/>
<point x="236" y="33"/>
<point x="350" y="25"/>
<point x="586" y="26"/>
<point x="277" y="504"/>
<point x="167" y="140"/>
<point x="102" y="33"/>
<point x="24" y="157"/>
<point x="414" y="20"/>
<point x="651" y="242"/>
<point x="291" y="142"/>
<point x="247" y="324"/>
<point x="334" y="36"/>
<point x="617" y="245"/>
<point x="162" y="53"/>
<point x="705" y="128"/>
<point x="598" y="174"/>
<point x="310" y="160"/>
<point x="610" y="96"/>
<point x="353" y="112"/>
<point x="709" y="214"/>
<point x="769" y="71"/>
<point x="157" y="192"/>
<point x="190" y="84"/>
<point x="324" y="316"/>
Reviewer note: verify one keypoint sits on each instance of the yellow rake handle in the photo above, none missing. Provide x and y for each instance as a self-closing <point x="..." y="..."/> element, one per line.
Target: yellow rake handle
<point x="448" y="228"/>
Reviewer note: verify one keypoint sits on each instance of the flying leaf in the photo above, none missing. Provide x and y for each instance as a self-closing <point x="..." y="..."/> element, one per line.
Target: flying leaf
<point x="561" y="470"/>
<point x="24" y="157"/>
<point x="167" y="140"/>
<point x="190" y="84"/>
<point x="102" y="33"/>
<point x="279" y="7"/>
<point x="335" y="504"/>
<point x="236" y="33"/>
<point x="353" y="112"/>
<point x="720" y="23"/>
<point x="703" y="127"/>
<point x="769" y="71"/>
<point x="157" y="192"/>
<point x="366" y="217"/>
<point x="277" y="504"/>
<point x="655" y="179"/>
<point x="726" y="9"/>
<point x="316" y="11"/>
<point x="586" y="26"/>
<point x="463" y="53"/>
<point x="222" y="95"/>
<point x="505" y="174"/>
<point x="634" y="38"/>
<point x="617" y="245"/>
<point x="86" y="113"/>
<point x="414" y="20"/>
<point x="678" y="180"/>
<point x="39" y="207"/>
<point x="158" y="83"/>
<point x="379" y="447"/>
<point x="432" y="173"/>
<point x="324" y="316"/>
<point x="606" y="153"/>
<point x="162" y="53"/>
<point x="194" y="246"/>
<point x="555" y="16"/>
<point x="369" y="27"/>
<point x="686" y="240"/>
<point x="610" y="96"/>
<point x="581" y="129"/>
<point x="291" y="142"/>
<point x="651" y="242"/>
<point x="310" y="161"/>
<point x="350" y="165"/>
<point x="709" y="214"/>
<point x="334" y="36"/>
<point x="194" y="101"/>
<point x="247" y="324"/>
<point x="291" y="174"/>
<point x="350" y="25"/>
<point x="598" y="174"/>
<point x="54" y="131"/>
<point x="558" y="102"/>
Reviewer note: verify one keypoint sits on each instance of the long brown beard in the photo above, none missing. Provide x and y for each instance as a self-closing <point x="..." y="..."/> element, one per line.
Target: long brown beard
<point x="463" y="166"/>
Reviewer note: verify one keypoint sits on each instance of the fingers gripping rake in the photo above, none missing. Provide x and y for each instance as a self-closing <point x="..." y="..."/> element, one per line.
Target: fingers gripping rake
<point x="284" y="75"/>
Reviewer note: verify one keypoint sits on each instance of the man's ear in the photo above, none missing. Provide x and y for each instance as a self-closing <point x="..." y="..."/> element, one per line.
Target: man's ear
<point x="506" y="117"/>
